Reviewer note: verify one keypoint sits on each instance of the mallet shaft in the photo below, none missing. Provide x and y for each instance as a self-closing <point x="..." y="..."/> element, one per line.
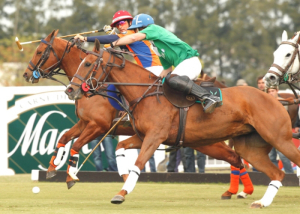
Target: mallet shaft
<point x="24" y="43"/>
<point x="101" y="141"/>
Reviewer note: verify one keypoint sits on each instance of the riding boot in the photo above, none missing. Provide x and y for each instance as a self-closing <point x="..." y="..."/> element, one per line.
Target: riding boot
<point x="184" y="84"/>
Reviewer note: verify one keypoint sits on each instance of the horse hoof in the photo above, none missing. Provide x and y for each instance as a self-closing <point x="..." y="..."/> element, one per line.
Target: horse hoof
<point x="70" y="184"/>
<point x="226" y="195"/>
<point x="51" y="174"/>
<point x="242" y="195"/>
<point x="117" y="199"/>
<point x="256" y="204"/>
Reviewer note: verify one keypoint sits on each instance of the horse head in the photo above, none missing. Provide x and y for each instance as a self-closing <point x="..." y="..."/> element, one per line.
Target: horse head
<point x="44" y="59"/>
<point x="85" y="77"/>
<point x="286" y="64"/>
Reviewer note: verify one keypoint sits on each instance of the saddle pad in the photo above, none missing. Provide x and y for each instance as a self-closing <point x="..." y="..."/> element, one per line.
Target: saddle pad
<point x="113" y="92"/>
<point x="214" y="91"/>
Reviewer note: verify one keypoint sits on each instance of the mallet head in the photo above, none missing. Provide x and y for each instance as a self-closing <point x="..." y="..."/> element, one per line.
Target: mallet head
<point x="19" y="44"/>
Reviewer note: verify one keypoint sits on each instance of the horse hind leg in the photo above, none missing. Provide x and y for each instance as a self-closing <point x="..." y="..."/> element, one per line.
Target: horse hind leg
<point x="223" y="152"/>
<point x="255" y="150"/>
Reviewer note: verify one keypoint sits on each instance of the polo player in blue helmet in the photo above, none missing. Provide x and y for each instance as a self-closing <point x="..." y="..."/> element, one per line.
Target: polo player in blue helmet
<point x="172" y="52"/>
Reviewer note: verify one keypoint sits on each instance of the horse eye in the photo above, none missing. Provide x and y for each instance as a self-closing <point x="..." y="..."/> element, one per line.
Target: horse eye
<point x="39" y="52"/>
<point x="288" y="55"/>
<point x="87" y="64"/>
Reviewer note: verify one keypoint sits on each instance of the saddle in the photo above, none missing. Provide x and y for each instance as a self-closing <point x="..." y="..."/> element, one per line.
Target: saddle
<point x="182" y="100"/>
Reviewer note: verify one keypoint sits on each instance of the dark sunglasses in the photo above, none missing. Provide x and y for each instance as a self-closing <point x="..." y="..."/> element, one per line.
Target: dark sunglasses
<point x="122" y="22"/>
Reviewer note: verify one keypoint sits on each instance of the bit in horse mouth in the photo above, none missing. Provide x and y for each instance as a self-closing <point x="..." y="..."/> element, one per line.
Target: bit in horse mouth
<point x="70" y="90"/>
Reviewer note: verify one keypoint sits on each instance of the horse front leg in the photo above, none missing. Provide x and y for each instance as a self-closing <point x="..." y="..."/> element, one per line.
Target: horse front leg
<point x="90" y="133"/>
<point x="133" y="142"/>
<point x="149" y="145"/>
<point x="59" y="152"/>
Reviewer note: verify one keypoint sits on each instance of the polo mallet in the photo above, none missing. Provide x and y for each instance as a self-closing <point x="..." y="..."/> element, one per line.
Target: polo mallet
<point x="73" y="176"/>
<point x="24" y="43"/>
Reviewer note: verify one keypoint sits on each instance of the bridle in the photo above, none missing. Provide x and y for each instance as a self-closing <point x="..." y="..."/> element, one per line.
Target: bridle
<point x="87" y="80"/>
<point x="284" y="77"/>
<point x="54" y="69"/>
<point x="101" y="86"/>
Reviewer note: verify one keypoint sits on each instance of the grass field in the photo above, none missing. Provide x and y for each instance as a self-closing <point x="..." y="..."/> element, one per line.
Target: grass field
<point x="16" y="197"/>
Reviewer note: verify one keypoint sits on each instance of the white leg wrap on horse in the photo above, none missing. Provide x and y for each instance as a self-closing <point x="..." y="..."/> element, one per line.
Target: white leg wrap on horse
<point x="270" y="193"/>
<point x="298" y="172"/>
<point x="132" y="179"/>
<point x="121" y="162"/>
<point x="59" y="155"/>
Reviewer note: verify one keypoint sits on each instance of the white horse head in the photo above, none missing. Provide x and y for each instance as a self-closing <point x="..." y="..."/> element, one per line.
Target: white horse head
<point x="286" y="61"/>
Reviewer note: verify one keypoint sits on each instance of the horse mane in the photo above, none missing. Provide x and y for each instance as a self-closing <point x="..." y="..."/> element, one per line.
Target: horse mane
<point x="116" y="53"/>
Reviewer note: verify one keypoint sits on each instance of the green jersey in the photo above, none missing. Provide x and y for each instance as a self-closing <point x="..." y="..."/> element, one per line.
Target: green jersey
<point x="170" y="49"/>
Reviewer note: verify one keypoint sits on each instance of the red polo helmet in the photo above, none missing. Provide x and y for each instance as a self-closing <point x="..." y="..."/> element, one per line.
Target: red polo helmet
<point x="120" y="15"/>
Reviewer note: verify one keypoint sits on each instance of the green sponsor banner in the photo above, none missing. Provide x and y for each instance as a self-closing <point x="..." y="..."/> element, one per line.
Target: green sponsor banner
<point x="35" y="123"/>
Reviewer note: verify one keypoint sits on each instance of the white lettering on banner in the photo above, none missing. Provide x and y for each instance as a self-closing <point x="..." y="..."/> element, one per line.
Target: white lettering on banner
<point x="31" y="136"/>
<point x="28" y="136"/>
<point x="37" y="100"/>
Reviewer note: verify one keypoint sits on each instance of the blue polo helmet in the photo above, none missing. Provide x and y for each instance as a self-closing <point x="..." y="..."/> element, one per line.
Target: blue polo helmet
<point x="141" y="20"/>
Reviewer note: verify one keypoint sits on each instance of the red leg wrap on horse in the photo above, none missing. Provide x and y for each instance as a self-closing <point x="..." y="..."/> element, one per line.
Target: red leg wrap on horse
<point x="60" y="145"/>
<point x="52" y="161"/>
<point x="234" y="180"/>
<point x="248" y="186"/>
<point x="73" y="152"/>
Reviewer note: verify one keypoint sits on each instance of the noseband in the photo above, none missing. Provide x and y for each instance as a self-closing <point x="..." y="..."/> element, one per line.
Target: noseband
<point x="36" y="69"/>
<point x="284" y="74"/>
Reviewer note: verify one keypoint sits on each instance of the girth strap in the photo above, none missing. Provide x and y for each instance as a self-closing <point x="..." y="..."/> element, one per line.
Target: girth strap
<point x="181" y="129"/>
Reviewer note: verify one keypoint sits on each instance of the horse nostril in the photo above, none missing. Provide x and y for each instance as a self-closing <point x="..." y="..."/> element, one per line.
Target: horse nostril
<point x="25" y="75"/>
<point x="70" y="90"/>
<point x="272" y="78"/>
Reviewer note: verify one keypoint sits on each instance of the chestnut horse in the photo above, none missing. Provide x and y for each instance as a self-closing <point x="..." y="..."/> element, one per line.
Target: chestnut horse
<point x="254" y="129"/>
<point x="96" y="114"/>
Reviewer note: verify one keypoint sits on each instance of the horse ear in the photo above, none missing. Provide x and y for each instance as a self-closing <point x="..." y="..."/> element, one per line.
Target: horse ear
<point x="53" y="33"/>
<point x="295" y="39"/>
<point x="56" y="32"/>
<point x="97" y="46"/>
<point x="284" y="36"/>
<point x="50" y="35"/>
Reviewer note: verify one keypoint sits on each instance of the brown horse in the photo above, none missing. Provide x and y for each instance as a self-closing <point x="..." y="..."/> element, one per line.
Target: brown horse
<point x="254" y="129"/>
<point x="96" y="114"/>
